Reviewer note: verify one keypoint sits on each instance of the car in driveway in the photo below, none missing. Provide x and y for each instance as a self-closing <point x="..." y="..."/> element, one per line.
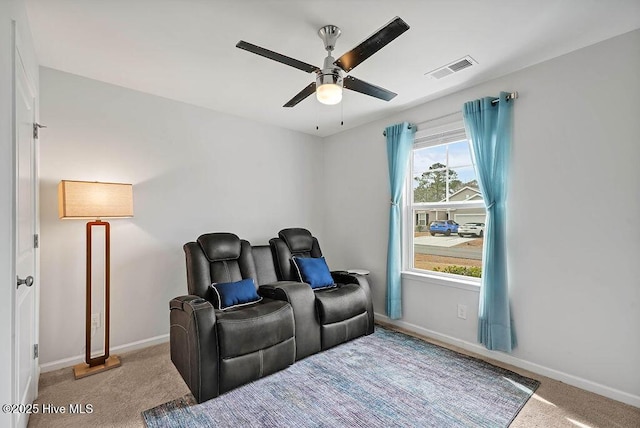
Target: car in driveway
<point x="446" y="227"/>
<point x="471" y="229"/>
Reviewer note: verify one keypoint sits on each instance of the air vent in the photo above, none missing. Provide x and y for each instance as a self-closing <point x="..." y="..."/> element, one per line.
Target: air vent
<point x="451" y="68"/>
<point x="461" y="65"/>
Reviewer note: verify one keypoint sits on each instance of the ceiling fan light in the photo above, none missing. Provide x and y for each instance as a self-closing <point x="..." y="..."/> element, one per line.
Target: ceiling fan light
<point x="329" y="93"/>
<point x="329" y="85"/>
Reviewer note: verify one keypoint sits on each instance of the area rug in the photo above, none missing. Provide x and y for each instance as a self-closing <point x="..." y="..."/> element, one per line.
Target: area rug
<point x="386" y="379"/>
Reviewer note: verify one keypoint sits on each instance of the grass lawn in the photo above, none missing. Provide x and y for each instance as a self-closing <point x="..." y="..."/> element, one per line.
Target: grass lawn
<point x="428" y="261"/>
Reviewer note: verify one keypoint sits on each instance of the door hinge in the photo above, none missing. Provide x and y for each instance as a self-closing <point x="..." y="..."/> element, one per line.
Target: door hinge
<point x="36" y="241"/>
<point x="36" y="130"/>
<point x="36" y="351"/>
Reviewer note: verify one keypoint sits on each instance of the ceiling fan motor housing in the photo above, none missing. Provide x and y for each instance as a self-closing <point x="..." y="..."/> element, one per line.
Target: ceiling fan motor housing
<point x="330" y="74"/>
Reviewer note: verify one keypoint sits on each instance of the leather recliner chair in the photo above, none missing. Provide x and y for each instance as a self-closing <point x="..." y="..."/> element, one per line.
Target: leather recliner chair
<point x="344" y="312"/>
<point x="215" y="350"/>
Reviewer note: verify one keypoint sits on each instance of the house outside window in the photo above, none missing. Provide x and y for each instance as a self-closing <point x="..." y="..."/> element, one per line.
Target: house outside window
<point x="443" y="205"/>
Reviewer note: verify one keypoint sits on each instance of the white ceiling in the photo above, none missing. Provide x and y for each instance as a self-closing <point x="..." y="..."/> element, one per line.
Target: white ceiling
<point x="185" y="49"/>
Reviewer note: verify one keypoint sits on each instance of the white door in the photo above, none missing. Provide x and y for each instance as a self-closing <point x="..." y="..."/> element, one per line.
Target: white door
<point x="26" y="316"/>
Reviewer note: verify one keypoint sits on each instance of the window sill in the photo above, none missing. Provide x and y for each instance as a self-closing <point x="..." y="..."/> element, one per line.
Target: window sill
<point x="445" y="281"/>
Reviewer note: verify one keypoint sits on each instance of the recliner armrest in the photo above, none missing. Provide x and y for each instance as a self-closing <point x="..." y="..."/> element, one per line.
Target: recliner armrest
<point x="194" y="344"/>
<point x="303" y="301"/>
<point x="190" y="304"/>
<point x="280" y="290"/>
<point x="344" y="277"/>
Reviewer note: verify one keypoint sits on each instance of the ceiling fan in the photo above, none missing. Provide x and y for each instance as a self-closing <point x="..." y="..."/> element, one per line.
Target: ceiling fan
<point x="329" y="80"/>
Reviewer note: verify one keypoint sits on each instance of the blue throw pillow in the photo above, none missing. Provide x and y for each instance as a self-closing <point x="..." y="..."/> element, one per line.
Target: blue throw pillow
<point x="314" y="271"/>
<point x="229" y="295"/>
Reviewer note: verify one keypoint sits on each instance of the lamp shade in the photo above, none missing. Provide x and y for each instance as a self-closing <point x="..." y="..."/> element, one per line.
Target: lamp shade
<point x="92" y="199"/>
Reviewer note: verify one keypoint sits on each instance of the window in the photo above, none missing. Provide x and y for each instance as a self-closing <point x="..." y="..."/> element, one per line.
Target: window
<point x="444" y="205"/>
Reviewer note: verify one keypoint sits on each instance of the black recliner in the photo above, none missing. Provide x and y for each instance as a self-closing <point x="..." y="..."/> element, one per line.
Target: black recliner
<point x="218" y="350"/>
<point x="344" y="312"/>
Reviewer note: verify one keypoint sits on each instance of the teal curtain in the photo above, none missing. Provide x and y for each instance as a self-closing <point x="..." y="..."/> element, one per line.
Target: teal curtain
<point x="399" y="144"/>
<point x="488" y="126"/>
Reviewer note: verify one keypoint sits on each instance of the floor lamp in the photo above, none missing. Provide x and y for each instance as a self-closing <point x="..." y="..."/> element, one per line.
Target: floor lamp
<point x="94" y="200"/>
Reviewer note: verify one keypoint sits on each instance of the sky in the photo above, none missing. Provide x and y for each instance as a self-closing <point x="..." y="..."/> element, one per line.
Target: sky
<point x="459" y="159"/>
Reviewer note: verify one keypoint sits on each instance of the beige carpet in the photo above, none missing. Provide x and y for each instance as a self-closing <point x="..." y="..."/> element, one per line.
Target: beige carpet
<point x="147" y="378"/>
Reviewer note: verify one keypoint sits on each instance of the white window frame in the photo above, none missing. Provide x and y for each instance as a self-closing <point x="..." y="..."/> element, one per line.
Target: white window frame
<point x="408" y="208"/>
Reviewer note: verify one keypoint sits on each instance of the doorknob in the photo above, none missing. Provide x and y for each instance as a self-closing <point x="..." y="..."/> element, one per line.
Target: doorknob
<point x="28" y="281"/>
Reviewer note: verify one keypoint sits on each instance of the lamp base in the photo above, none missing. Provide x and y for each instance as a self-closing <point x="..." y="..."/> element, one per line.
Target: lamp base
<point x="83" y="369"/>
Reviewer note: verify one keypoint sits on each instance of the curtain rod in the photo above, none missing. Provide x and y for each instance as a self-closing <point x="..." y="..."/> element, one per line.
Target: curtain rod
<point x="511" y="96"/>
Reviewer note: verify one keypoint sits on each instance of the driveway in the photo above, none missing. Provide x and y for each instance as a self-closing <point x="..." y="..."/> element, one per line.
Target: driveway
<point x="441" y="240"/>
<point x="441" y="245"/>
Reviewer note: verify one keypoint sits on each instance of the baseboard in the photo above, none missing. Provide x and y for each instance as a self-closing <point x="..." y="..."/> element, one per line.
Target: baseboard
<point x="475" y="348"/>
<point x="72" y="361"/>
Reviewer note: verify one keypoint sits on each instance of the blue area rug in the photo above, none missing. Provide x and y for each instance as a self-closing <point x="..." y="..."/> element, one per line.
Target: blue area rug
<point x="387" y="379"/>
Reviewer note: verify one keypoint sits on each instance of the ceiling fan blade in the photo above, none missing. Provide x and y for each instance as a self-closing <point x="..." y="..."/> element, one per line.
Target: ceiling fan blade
<point x="363" y="87"/>
<point x="373" y="44"/>
<point x="310" y="89"/>
<point x="277" y="57"/>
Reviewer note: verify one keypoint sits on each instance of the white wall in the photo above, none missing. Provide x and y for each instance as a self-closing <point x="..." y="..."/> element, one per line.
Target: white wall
<point x="575" y="286"/>
<point x="10" y="11"/>
<point x="193" y="171"/>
